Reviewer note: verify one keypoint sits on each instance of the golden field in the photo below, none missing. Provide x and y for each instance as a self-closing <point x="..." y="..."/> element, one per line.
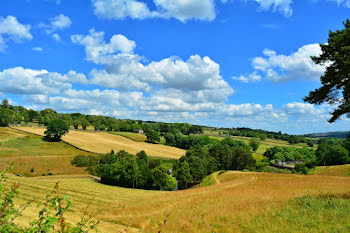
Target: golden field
<point x="226" y="202"/>
<point x="103" y="142"/>
<point x="230" y="206"/>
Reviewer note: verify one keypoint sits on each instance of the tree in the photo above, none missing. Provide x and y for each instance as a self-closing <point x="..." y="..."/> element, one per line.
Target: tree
<point x="33" y="115"/>
<point x="6" y="116"/>
<point x="84" y="124"/>
<point x="335" y="82"/>
<point x="152" y="136"/>
<point x="76" y="124"/>
<point x="332" y="155"/>
<point x="254" y="144"/>
<point x="263" y="137"/>
<point x="56" y="129"/>
<point x="183" y="174"/>
<point x="162" y="179"/>
<point x="5" y="103"/>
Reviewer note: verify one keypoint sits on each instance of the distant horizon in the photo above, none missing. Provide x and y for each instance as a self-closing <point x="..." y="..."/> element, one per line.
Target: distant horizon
<point x="207" y="62"/>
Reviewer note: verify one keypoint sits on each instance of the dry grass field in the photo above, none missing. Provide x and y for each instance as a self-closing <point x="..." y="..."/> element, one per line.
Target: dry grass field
<point x="32" y="156"/>
<point x="339" y="170"/>
<point x="134" y="136"/>
<point x="233" y="205"/>
<point x="103" y="142"/>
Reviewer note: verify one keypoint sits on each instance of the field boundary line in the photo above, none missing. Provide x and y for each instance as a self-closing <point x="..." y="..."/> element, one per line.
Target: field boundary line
<point x="96" y="153"/>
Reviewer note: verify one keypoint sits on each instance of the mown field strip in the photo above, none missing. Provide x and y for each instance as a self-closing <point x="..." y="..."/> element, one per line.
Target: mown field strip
<point x="103" y="142"/>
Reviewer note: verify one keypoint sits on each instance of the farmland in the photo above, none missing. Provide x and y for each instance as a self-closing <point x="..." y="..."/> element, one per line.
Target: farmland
<point x="103" y="142"/>
<point x="226" y="201"/>
<point x="234" y="205"/>
<point x="32" y="156"/>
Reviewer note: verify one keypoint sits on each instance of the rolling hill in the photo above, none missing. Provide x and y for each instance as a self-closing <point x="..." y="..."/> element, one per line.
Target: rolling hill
<point x="103" y="142"/>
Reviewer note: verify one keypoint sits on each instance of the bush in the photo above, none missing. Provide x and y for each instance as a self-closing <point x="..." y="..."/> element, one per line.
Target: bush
<point x="301" y="168"/>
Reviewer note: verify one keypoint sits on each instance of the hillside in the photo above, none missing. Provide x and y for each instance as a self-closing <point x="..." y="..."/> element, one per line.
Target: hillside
<point x="103" y="142"/>
<point x="234" y="205"/>
<point x="342" y="134"/>
<point x="32" y="156"/>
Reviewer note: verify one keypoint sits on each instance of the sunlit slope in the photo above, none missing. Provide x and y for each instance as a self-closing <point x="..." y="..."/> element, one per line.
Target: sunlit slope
<point x="339" y="170"/>
<point x="31" y="156"/>
<point x="229" y="205"/>
<point x="102" y="142"/>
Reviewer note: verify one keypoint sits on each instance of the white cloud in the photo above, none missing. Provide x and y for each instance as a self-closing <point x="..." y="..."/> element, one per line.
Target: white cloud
<point x="297" y="108"/>
<point x="60" y="22"/>
<point x="196" y="79"/>
<point x="345" y="3"/>
<point x="19" y="80"/>
<point x="56" y="37"/>
<point x="178" y="9"/>
<point x="57" y="23"/>
<point x="185" y="10"/>
<point x="281" y="6"/>
<point x="39" y="49"/>
<point x="281" y="68"/>
<point x="11" y="29"/>
<point x="252" y="77"/>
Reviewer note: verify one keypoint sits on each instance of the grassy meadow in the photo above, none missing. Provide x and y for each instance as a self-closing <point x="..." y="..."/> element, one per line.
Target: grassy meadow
<point x="31" y="156"/>
<point x="239" y="202"/>
<point x="103" y="142"/>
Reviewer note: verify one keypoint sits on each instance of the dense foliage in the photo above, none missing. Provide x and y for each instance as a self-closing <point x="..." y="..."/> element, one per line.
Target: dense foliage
<point x="335" y="81"/>
<point x="127" y="170"/>
<point x="55" y="130"/>
<point x="332" y="154"/>
<point x="289" y="153"/>
<point x="201" y="161"/>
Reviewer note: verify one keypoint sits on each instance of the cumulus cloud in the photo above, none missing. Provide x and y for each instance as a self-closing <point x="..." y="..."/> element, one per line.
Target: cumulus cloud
<point x="178" y="9"/>
<point x="281" y="68"/>
<point x="56" y="23"/>
<point x="195" y="80"/>
<point x="19" y="80"/>
<point x="11" y="29"/>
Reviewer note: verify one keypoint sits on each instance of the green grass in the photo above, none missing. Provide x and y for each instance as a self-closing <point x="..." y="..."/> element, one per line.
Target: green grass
<point x="258" y="157"/>
<point x="327" y="213"/>
<point x="26" y="151"/>
<point x="207" y="181"/>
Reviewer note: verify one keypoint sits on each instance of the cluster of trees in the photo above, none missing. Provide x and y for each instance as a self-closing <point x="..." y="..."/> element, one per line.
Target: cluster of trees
<point x="177" y="139"/>
<point x="130" y="171"/>
<point x="200" y="161"/>
<point x="263" y="135"/>
<point x="328" y="155"/>
<point x="289" y="153"/>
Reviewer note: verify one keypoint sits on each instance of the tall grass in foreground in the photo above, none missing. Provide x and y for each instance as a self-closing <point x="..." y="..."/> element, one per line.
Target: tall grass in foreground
<point x="324" y="213"/>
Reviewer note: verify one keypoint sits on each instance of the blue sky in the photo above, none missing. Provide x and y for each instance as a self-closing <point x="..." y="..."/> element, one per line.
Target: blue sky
<point x="219" y="63"/>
